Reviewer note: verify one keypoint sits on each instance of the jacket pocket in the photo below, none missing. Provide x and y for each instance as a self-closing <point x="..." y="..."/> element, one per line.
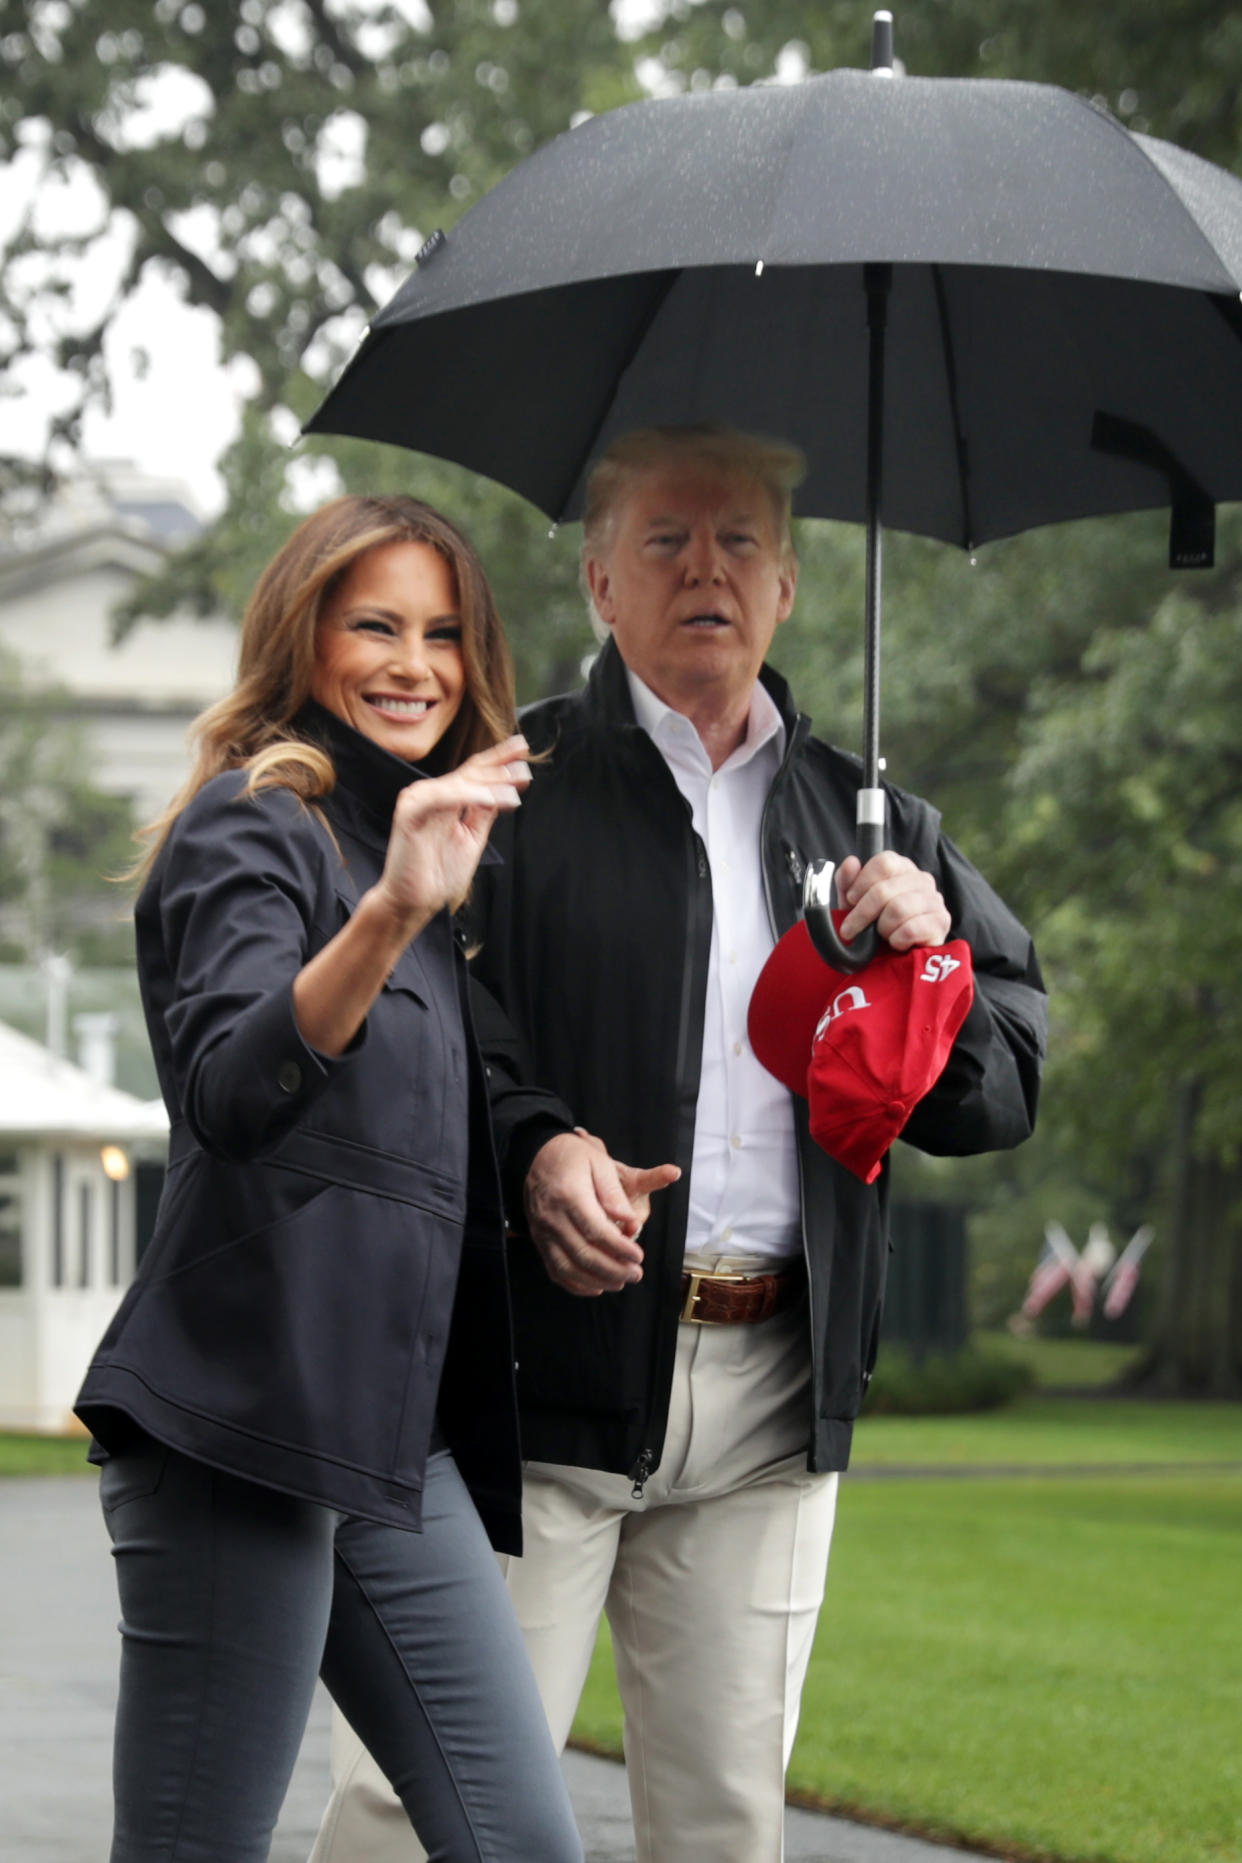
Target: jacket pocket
<point x="310" y="1332"/>
<point x="406" y="978"/>
<point x="207" y="1211"/>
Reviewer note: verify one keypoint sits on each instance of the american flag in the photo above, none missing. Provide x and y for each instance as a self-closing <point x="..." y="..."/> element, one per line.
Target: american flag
<point x="1093" y="1264"/>
<point x="1121" y="1282"/>
<point x="1057" y="1262"/>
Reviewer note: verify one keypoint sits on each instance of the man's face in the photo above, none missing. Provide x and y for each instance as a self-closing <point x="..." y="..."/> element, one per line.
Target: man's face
<point x="692" y="583"/>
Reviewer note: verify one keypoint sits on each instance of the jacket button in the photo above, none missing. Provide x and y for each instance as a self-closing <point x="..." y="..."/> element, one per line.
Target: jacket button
<point x="289" y="1077"/>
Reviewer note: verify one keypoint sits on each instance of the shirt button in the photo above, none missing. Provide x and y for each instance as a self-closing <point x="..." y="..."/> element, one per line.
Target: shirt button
<point x="737" y="1047"/>
<point x="736" y="1142"/>
<point x="289" y="1077"/>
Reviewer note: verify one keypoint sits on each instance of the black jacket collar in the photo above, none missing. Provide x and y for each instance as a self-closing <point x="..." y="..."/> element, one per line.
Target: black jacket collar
<point x="366" y="773"/>
<point x="368" y="778"/>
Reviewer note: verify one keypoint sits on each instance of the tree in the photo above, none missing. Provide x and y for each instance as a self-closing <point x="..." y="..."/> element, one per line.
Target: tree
<point x="63" y="842"/>
<point x="1168" y="67"/>
<point x="283" y="160"/>
<point x="1138" y="783"/>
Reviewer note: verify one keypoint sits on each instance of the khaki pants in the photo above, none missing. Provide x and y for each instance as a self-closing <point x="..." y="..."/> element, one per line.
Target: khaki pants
<point x="712" y="1584"/>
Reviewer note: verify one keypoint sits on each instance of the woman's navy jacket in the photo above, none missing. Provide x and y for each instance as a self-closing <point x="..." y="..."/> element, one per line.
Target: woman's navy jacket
<point x="328" y="1261"/>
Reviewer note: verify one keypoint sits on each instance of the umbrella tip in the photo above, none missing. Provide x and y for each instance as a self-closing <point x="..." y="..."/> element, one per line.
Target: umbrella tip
<point x="882" y="45"/>
<point x="430" y="246"/>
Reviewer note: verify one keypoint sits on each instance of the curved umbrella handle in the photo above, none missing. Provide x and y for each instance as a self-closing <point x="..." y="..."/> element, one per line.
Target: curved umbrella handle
<point x="817" y="895"/>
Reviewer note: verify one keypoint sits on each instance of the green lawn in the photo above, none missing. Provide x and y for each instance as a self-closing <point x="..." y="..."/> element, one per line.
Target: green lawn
<point x="1061" y="1431"/>
<point x="1046" y="1665"/>
<point x="43" y="1455"/>
<point x="1054" y="1666"/>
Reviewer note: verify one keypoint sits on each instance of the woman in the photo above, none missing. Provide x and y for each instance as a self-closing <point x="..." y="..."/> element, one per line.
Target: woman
<point x="304" y="1407"/>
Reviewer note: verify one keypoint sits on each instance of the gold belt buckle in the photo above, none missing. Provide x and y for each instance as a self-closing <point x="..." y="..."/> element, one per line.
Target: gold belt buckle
<point x="697" y="1277"/>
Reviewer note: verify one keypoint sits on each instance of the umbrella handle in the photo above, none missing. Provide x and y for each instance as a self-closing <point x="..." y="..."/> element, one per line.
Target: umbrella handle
<point x="818" y="890"/>
<point x="817" y="897"/>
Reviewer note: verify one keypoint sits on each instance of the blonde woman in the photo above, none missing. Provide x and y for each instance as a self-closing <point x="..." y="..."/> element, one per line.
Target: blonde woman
<point x="304" y="1408"/>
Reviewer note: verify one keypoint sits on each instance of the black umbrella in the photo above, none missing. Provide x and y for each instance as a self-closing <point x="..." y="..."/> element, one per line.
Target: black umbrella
<point x="976" y="305"/>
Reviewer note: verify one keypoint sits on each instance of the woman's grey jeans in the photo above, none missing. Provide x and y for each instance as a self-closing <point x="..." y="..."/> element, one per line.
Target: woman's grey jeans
<point x="235" y="1597"/>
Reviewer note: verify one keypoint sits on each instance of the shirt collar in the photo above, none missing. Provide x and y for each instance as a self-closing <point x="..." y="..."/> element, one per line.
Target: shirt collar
<point x="661" y="723"/>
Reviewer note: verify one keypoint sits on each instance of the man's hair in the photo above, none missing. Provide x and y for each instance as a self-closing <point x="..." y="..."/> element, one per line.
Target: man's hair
<point x="774" y="465"/>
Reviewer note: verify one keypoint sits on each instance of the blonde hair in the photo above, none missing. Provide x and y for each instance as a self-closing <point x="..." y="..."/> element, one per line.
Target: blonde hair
<point x="251" y="729"/>
<point x="774" y="465"/>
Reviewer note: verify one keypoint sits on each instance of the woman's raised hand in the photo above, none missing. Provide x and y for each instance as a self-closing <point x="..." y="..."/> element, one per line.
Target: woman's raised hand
<point x="440" y="828"/>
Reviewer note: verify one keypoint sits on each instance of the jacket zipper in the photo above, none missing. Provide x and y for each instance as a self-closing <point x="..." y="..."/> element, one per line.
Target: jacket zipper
<point x="639" y="1474"/>
<point x="700" y="875"/>
<point x="795" y="865"/>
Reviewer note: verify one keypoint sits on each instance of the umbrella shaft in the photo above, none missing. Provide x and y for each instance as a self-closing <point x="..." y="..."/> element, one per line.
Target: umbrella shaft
<point x="877" y="280"/>
<point x="871" y="669"/>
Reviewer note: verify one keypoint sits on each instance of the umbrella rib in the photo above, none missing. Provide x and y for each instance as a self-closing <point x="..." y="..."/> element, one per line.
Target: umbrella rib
<point x="664" y="282"/>
<point x="950" y="373"/>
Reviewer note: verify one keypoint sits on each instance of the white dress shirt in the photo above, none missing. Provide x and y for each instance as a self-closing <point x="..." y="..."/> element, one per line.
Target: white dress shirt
<point x="744" y="1192"/>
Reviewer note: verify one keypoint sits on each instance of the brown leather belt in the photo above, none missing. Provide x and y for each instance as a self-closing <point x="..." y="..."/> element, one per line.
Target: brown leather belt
<point x="738" y="1299"/>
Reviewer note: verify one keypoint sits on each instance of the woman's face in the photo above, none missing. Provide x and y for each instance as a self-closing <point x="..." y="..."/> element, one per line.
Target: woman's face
<point x="388" y="655"/>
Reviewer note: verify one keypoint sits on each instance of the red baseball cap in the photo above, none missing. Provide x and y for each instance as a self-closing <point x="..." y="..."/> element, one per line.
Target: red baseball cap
<point x="862" y="1049"/>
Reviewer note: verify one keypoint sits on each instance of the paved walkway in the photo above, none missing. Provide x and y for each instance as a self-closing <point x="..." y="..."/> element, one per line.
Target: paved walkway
<point x="57" y="1690"/>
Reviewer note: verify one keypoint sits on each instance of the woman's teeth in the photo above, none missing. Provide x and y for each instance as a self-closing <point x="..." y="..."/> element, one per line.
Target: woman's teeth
<point x="402" y="708"/>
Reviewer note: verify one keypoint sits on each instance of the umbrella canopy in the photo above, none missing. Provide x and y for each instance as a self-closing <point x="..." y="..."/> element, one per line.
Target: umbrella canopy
<point x="1064" y="336"/>
<point x="977" y="306"/>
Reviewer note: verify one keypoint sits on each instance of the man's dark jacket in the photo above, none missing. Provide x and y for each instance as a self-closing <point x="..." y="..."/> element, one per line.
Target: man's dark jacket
<point x="594" y="935"/>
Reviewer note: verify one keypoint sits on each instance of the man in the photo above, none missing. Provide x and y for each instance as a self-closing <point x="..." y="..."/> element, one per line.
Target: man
<point x="682" y="1475"/>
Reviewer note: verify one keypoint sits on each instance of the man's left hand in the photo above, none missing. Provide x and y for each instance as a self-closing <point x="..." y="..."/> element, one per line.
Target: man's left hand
<point x="895" y="896"/>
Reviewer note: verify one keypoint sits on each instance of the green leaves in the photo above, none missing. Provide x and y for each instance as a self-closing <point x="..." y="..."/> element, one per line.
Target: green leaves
<point x="59" y="838"/>
<point x="283" y="159"/>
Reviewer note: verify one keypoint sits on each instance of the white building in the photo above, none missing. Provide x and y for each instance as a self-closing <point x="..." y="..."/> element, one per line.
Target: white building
<point x="73" y="1151"/>
<point x="60" y="577"/>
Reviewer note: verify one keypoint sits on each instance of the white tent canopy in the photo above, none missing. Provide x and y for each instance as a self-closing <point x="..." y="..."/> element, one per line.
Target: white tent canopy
<point x="44" y="1096"/>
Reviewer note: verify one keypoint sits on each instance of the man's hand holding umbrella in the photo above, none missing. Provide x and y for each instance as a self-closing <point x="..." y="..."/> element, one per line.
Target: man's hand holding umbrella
<point x="891" y="893"/>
